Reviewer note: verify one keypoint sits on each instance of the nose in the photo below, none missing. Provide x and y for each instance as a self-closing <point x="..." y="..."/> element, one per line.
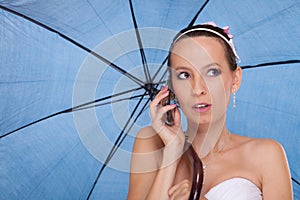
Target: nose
<point x="199" y="86"/>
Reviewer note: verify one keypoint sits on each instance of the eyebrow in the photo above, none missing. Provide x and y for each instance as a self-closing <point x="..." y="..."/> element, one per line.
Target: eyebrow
<point x="181" y="68"/>
<point x="205" y="66"/>
<point x="212" y="64"/>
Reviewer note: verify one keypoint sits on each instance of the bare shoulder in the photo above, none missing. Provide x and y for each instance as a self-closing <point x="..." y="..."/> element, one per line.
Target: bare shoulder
<point x="261" y="147"/>
<point x="147" y="140"/>
<point x="266" y="157"/>
<point x="258" y="144"/>
<point x="268" y="154"/>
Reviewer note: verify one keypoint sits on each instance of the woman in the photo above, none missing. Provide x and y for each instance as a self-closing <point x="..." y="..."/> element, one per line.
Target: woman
<point x="203" y="74"/>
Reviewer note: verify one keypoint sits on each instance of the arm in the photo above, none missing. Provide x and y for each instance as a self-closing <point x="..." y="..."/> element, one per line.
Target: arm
<point x="276" y="178"/>
<point x="156" y="153"/>
<point x="147" y="181"/>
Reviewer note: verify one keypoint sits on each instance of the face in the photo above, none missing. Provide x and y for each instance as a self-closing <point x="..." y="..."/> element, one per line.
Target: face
<point x="202" y="79"/>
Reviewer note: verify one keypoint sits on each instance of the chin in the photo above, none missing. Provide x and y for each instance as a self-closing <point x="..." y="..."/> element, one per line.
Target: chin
<point x="202" y="120"/>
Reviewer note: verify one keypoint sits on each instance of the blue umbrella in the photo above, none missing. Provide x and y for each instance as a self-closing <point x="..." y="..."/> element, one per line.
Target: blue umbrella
<point x="77" y="77"/>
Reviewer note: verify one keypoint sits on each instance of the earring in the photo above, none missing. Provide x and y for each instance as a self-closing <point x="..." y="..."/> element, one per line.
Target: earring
<point x="234" y="98"/>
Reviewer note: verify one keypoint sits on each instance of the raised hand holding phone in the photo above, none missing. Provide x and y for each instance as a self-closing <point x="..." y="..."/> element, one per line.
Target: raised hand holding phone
<point x="171" y="135"/>
<point x="166" y="121"/>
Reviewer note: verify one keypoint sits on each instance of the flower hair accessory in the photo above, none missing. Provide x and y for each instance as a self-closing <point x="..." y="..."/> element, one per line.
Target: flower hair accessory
<point x="212" y="28"/>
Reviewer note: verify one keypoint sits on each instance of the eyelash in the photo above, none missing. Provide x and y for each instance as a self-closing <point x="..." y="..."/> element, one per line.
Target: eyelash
<point x="183" y="73"/>
<point x="215" y="72"/>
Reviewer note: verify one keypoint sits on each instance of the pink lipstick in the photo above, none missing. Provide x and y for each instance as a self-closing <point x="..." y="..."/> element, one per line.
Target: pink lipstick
<point x="202" y="107"/>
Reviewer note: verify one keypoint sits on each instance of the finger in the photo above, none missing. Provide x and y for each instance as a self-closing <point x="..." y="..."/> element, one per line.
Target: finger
<point x="176" y="115"/>
<point x="172" y="190"/>
<point x="180" y="194"/>
<point x="167" y="108"/>
<point x="161" y="112"/>
<point x="158" y="123"/>
<point x="160" y="96"/>
<point x="158" y="113"/>
<point x="183" y="184"/>
<point x="163" y="90"/>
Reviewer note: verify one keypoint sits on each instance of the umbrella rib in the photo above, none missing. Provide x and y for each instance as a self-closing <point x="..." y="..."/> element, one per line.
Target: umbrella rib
<point x="109" y="102"/>
<point x="160" y="67"/>
<point x="106" y="26"/>
<point x="67" y="111"/>
<point x="117" y="145"/>
<point x="138" y="37"/>
<point x="297" y="182"/>
<point x="198" y="13"/>
<point x="124" y="136"/>
<point x="106" y="61"/>
<point x="105" y="98"/>
<point x="286" y="62"/>
<point x="108" y="158"/>
<point x="190" y="24"/>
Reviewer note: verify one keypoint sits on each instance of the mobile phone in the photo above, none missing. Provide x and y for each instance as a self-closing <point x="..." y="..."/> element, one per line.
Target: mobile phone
<point x="170" y="99"/>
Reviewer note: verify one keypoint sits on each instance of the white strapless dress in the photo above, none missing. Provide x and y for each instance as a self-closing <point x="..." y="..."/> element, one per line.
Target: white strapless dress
<point x="234" y="189"/>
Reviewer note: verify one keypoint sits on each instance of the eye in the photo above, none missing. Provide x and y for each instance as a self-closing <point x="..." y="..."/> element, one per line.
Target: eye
<point x="183" y="75"/>
<point x="213" y="72"/>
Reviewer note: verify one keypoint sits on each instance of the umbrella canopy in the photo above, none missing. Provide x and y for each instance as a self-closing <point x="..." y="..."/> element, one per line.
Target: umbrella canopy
<point x="77" y="77"/>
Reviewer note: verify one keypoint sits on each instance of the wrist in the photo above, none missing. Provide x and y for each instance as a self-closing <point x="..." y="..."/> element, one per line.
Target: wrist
<point x="171" y="155"/>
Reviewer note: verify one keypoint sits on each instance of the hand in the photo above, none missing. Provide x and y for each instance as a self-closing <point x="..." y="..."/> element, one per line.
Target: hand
<point x="172" y="136"/>
<point x="181" y="190"/>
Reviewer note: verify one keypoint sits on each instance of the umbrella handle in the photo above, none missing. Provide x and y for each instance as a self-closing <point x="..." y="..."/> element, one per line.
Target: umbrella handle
<point x="197" y="167"/>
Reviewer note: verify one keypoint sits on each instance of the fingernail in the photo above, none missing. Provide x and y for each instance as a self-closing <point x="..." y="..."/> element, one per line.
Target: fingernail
<point x="165" y="92"/>
<point x="164" y="87"/>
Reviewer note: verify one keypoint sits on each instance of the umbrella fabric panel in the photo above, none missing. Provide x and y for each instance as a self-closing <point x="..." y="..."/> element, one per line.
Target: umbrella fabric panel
<point x="46" y="163"/>
<point x="38" y="69"/>
<point x="262" y="30"/>
<point x="92" y="22"/>
<point x="76" y="18"/>
<point x="112" y="185"/>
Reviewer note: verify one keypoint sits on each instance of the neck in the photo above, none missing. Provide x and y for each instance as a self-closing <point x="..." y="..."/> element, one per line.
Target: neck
<point x="207" y="138"/>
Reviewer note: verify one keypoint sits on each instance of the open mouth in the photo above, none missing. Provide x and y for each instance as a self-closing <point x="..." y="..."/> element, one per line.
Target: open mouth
<point x="202" y="107"/>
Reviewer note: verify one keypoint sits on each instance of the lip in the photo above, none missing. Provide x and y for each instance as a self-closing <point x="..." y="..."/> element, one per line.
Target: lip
<point x="202" y="107"/>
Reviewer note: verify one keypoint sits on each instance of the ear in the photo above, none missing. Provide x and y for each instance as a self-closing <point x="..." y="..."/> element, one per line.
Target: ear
<point x="237" y="79"/>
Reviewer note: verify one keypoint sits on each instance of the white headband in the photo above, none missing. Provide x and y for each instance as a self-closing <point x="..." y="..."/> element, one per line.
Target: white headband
<point x="229" y="42"/>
